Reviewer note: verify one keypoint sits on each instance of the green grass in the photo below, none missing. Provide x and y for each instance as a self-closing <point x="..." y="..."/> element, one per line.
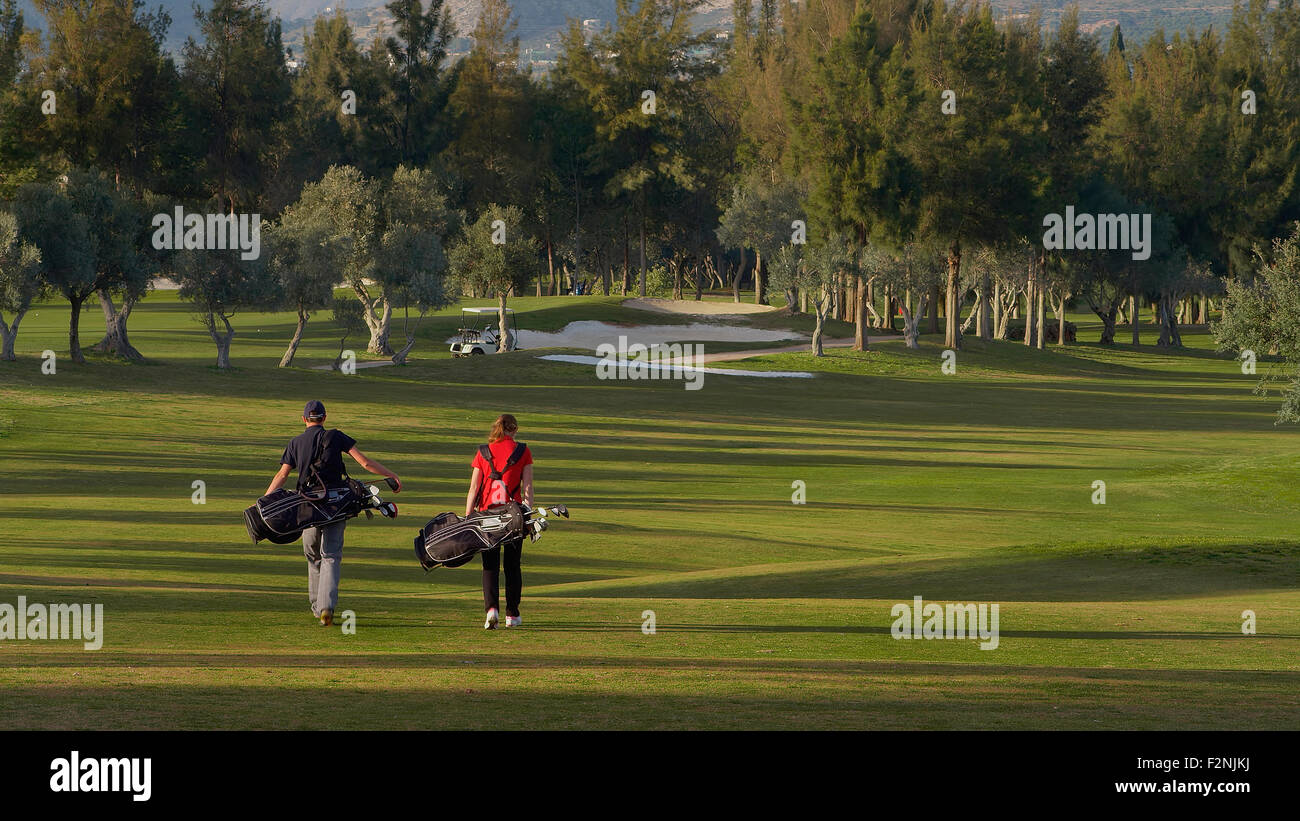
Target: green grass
<point x="970" y="487"/>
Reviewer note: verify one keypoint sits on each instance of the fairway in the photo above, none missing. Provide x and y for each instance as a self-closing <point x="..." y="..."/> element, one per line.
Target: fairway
<point x="972" y="487"/>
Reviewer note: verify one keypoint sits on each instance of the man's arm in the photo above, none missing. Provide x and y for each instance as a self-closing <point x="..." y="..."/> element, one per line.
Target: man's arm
<point x="278" y="481"/>
<point x="527" y="482"/>
<point x="374" y="467"/>
<point x="472" y="495"/>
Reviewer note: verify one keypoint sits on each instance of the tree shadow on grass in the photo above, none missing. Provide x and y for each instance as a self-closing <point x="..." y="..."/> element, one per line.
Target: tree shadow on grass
<point x="1027" y="575"/>
<point x="555" y="388"/>
<point x="524" y="661"/>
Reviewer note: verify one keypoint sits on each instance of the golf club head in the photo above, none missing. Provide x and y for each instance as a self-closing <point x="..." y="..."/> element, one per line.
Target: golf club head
<point x="561" y="510"/>
<point x="374" y="491"/>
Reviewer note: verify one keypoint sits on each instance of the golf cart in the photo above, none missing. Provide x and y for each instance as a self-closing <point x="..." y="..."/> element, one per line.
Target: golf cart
<point x="478" y="331"/>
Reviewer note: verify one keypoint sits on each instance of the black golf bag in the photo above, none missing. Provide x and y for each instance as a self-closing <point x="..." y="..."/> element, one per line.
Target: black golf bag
<point x="280" y="517"/>
<point x="450" y="541"/>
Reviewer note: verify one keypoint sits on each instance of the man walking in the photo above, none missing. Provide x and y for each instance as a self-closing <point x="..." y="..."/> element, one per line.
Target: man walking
<point x="323" y="546"/>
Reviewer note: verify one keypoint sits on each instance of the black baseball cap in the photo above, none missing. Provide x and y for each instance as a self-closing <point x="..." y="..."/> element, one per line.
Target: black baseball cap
<point x="315" y="410"/>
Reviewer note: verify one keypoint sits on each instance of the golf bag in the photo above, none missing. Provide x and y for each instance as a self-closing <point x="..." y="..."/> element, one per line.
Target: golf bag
<point x="450" y="541"/>
<point x="281" y="516"/>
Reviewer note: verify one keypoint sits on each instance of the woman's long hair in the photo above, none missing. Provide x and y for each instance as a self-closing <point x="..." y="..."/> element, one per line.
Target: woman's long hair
<point x="504" y="427"/>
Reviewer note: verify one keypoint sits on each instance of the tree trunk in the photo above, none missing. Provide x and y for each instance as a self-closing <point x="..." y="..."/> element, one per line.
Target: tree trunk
<point x="287" y="359"/>
<point x="627" y="265"/>
<point x="378" y="323"/>
<point x="1108" y="315"/>
<point x="860" y="318"/>
<point x="1030" y="285"/>
<point x="1133" y="318"/>
<point x="912" y="321"/>
<point x="760" y="296"/>
<point x="976" y="311"/>
<point x="399" y="358"/>
<point x="1060" y="329"/>
<point x="9" y="335"/>
<point x="820" y="306"/>
<point x="550" y="263"/>
<point x="504" y="342"/>
<point x="1108" y="329"/>
<point x="1040" y="338"/>
<point x="642" y="280"/>
<point x="997" y="307"/>
<point x="379" y="331"/>
<point x="338" y="360"/>
<point x="1005" y="302"/>
<point x="115" y="341"/>
<point x="986" y="308"/>
<point x="1166" y="314"/>
<point x="74" y="330"/>
<point x="735" y="280"/>
<point x="222" y="340"/>
<point x="952" y="338"/>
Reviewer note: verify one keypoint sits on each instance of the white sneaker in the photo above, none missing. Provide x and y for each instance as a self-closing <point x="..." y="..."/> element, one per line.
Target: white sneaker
<point x="491" y="623"/>
<point x="513" y="621"/>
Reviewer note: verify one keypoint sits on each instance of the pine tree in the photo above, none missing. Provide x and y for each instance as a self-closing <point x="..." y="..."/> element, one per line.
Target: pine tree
<point x="978" y="167"/>
<point x="239" y="97"/>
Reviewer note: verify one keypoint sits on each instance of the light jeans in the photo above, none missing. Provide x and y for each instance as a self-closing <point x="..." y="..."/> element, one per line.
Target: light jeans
<point x="323" y="547"/>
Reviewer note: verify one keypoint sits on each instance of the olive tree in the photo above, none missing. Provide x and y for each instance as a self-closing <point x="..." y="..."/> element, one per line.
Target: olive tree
<point x="20" y="281"/>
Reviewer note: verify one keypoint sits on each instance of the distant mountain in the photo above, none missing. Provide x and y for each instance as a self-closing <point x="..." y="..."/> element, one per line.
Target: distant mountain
<point x="181" y="11"/>
<point x="539" y="21"/>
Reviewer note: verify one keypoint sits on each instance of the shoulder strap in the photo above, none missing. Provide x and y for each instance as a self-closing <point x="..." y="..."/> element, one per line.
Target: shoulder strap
<point x="515" y="457"/>
<point x="486" y="452"/>
<point x="311" y="473"/>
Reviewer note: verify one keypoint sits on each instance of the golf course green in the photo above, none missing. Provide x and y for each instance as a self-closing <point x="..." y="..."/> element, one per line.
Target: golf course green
<point x="973" y="487"/>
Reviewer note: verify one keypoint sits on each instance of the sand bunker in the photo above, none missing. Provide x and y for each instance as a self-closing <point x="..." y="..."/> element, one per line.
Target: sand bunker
<point x="591" y="334"/>
<point x="654" y="368"/>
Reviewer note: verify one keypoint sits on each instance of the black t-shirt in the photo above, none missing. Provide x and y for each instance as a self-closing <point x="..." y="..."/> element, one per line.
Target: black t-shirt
<point x="298" y="453"/>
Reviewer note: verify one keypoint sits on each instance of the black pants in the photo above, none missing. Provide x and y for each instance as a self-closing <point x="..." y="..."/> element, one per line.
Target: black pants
<point x="492" y="577"/>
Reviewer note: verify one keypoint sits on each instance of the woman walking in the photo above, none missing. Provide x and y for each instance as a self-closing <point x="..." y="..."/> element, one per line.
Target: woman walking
<point x="502" y="472"/>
